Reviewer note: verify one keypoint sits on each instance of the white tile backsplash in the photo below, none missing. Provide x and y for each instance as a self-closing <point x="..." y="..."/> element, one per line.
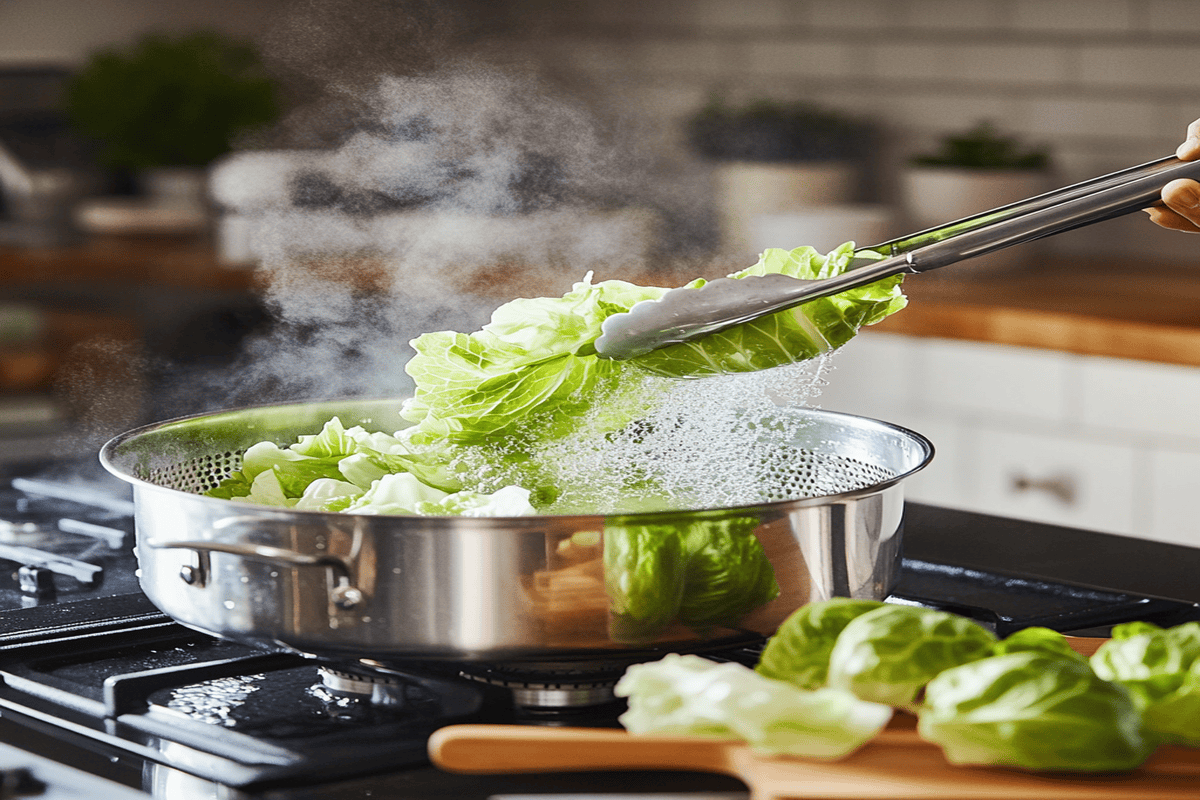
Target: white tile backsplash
<point x="1109" y="82"/>
<point x="1169" y="16"/>
<point x="956" y="15"/>
<point x="1068" y="114"/>
<point x="804" y="58"/>
<point x="1021" y="65"/>
<point x="1161" y="66"/>
<point x="764" y="15"/>
<point x="857" y="15"/>
<point x="1074" y="17"/>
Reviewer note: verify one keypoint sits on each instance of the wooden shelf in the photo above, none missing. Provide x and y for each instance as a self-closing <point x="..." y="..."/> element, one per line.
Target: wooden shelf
<point x="179" y="261"/>
<point x="1146" y="312"/>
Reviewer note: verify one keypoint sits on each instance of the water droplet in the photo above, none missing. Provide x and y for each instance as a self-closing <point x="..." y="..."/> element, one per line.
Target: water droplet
<point x="229" y="604"/>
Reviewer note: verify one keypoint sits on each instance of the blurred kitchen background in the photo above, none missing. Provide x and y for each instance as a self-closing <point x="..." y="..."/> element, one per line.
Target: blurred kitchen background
<point x="211" y="203"/>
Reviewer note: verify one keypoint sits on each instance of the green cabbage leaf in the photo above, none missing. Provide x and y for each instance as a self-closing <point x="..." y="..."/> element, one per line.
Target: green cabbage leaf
<point x="786" y="337"/>
<point x="536" y="359"/>
<point x="705" y="574"/>
<point x="1034" y="710"/>
<point x="888" y="655"/>
<point x="1036" y="639"/>
<point x="690" y="695"/>
<point x="353" y="470"/>
<point x="1161" y="669"/>
<point x="799" y="650"/>
<point x="643" y="577"/>
<point x="726" y="573"/>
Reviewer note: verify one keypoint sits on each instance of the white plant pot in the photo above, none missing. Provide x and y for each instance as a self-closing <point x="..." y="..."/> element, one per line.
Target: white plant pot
<point x="934" y="196"/>
<point x="824" y="227"/>
<point x="747" y="190"/>
<point x="176" y="187"/>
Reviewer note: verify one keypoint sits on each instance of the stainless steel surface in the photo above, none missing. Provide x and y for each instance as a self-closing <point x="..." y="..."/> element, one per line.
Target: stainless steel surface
<point x="389" y="587"/>
<point x="684" y="314"/>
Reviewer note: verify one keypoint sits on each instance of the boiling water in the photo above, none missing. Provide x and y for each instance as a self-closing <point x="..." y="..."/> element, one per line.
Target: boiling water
<point x="707" y="443"/>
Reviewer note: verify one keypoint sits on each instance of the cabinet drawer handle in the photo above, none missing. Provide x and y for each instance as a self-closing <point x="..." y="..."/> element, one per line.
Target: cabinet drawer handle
<point x="1060" y="487"/>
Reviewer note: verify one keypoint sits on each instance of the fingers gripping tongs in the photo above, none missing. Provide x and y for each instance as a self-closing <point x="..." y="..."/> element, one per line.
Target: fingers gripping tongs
<point x="684" y="314"/>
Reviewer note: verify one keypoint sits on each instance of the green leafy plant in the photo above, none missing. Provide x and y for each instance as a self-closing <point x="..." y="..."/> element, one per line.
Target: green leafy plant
<point x="167" y="102"/>
<point x="769" y="130"/>
<point x="985" y="147"/>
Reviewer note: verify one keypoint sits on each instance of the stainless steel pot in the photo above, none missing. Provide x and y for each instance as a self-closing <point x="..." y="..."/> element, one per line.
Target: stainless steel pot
<point x="501" y="589"/>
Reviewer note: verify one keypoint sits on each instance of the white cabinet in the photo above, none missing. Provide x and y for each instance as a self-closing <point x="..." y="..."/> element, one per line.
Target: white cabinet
<point x="1054" y="478"/>
<point x="1098" y="443"/>
<point x="1174" y="491"/>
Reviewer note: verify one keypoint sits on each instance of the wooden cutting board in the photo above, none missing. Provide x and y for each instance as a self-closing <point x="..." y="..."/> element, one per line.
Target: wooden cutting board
<point x="896" y="764"/>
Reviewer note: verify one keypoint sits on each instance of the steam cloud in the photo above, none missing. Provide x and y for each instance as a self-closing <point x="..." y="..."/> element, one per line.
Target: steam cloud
<point x="445" y="194"/>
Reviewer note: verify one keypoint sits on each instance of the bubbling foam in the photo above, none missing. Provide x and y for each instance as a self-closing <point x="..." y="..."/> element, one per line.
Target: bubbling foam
<point x="707" y="443"/>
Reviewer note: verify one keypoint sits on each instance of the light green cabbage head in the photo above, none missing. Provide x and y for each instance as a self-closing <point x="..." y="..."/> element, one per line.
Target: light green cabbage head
<point x="1036" y="639"/>
<point x="1161" y="670"/>
<point x="888" y="655"/>
<point x="799" y="651"/>
<point x="1034" y="710"/>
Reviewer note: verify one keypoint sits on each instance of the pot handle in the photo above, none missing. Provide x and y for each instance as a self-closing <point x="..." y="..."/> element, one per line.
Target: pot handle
<point x="344" y="595"/>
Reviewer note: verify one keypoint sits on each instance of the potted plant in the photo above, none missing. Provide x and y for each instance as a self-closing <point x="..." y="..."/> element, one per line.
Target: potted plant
<point x="167" y="107"/>
<point x="772" y="156"/>
<point x="973" y="171"/>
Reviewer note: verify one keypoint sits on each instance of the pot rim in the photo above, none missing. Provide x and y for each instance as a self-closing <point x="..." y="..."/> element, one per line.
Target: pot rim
<point x="110" y="458"/>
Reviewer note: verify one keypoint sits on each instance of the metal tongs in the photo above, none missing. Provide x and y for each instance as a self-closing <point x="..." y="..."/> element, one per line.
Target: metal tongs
<point x="684" y="314"/>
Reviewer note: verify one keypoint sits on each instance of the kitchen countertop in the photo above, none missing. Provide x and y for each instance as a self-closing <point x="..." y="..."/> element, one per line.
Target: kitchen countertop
<point x="1052" y="552"/>
<point x="187" y="261"/>
<point x="1146" y="311"/>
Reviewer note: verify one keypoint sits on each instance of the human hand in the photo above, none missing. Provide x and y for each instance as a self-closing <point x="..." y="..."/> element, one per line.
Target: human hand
<point x="1181" y="198"/>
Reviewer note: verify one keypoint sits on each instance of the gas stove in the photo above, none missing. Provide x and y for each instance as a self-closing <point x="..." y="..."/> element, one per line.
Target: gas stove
<point x="98" y="688"/>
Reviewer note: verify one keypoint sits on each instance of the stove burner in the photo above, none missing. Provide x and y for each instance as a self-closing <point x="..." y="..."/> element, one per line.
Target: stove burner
<point x="553" y="689"/>
<point x="529" y="689"/>
<point x="380" y="688"/>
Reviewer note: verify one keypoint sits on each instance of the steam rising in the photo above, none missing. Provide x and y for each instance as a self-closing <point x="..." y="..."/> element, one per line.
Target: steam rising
<point x="448" y="195"/>
<point x="421" y="192"/>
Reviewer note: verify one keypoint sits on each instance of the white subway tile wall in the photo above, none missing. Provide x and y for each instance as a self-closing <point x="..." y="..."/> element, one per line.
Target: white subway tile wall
<point x="1104" y="83"/>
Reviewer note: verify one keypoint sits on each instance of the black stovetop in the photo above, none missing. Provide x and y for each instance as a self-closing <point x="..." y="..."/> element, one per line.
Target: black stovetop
<point x="93" y="675"/>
